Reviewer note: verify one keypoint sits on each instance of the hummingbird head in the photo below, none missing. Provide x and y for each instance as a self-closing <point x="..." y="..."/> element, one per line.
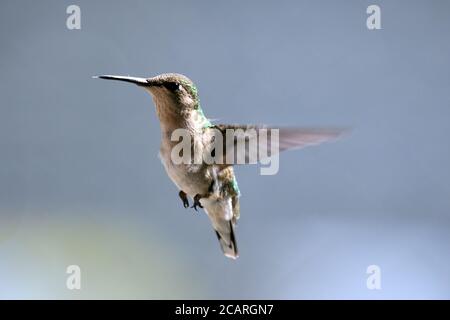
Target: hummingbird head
<point x="175" y="95"/>
<point x="173" y="90"/>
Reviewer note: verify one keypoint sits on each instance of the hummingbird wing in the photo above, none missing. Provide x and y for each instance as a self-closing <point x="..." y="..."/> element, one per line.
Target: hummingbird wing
<point x="261" y="137"/>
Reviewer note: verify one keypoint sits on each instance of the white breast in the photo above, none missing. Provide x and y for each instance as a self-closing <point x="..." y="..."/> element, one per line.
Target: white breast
<point x="192" y="179"/>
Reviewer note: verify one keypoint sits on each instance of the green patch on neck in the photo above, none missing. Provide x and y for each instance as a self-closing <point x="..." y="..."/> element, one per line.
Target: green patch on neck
<point x="206" y="122"/>
<point x="192" y="89"/>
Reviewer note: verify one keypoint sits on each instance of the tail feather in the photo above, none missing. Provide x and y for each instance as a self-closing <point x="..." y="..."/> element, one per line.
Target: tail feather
<point x="221" y="214"/>
<point x="227" y="242"/>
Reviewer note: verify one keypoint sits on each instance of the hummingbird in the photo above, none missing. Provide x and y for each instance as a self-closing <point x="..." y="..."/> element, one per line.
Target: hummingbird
<point x="211" y="186"/>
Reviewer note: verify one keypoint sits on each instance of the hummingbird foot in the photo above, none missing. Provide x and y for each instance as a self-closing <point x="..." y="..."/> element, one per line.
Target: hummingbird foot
<point x="197" y="201"/>
<point x="184" y="198"/>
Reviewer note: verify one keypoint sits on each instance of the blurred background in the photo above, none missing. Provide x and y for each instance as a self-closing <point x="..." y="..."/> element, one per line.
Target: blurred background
<point x="81" y="182"/>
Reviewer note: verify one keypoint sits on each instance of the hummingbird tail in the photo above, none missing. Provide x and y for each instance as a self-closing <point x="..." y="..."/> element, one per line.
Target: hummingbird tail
<point x="223" y="221"/>
<point x="227" y="241"/>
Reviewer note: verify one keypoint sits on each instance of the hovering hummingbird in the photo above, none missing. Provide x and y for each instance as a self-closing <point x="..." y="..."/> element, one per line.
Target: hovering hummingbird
<point x="211" y="186"/>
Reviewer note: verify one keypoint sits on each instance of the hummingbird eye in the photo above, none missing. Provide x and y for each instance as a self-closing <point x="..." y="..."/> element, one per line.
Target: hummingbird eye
<point x="172" y="86"/>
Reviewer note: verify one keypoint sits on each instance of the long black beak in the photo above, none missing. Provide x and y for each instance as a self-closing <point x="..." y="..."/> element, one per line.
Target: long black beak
<point x="135" y="80"/>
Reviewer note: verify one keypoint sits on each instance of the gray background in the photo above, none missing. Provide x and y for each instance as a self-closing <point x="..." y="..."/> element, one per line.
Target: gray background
<point x="81" y="183"/>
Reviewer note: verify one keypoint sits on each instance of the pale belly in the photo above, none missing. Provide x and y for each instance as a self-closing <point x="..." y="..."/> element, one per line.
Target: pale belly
<point x="192" y="179"/>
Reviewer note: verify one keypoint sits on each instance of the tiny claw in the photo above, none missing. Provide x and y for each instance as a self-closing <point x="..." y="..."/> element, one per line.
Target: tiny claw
<point x="197" y="202"/>
<point x="184" y="198"/>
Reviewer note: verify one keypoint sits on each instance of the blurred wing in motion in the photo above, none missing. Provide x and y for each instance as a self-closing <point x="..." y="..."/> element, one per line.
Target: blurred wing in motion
<point x="234" y="136"/>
